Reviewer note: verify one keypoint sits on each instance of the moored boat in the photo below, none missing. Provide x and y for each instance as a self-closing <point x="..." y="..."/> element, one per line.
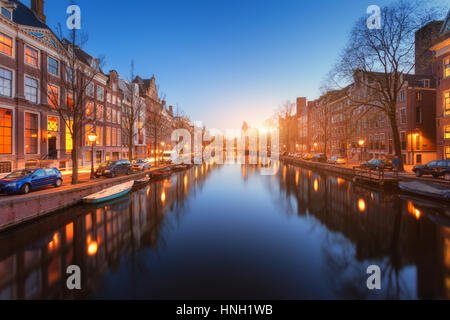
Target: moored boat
<point x="425" y="189"/>
<point x="179" y="167"/>
<point x="109" y="193"/>
<point x="160" y="174"/>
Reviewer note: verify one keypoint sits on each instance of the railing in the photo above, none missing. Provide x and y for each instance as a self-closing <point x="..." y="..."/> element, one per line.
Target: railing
<point x="369" y="173"/>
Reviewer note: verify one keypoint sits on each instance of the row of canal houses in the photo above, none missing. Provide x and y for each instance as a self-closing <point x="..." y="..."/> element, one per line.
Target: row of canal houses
<point x="423" y="112"/>
<point x="31" y="131"/>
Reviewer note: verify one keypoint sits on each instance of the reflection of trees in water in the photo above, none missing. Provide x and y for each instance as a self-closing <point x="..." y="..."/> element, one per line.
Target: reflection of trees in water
<point x="364" y="227"/>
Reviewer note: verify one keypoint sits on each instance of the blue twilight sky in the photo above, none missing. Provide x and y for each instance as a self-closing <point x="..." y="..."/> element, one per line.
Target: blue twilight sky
<point x="221" y="61"/>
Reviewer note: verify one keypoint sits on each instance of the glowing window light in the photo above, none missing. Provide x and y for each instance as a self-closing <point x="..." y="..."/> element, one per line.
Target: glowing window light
<point x="361" y="205"/>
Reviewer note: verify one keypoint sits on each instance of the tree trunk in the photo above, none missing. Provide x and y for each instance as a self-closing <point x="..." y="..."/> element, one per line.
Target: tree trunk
<point x="130" y="145"/>
<point x="75" y="156"/>
<point x="397" y="141"/>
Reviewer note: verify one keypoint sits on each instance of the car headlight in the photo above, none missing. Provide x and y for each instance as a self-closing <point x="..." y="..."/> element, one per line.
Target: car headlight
<point x="11" y="185"/>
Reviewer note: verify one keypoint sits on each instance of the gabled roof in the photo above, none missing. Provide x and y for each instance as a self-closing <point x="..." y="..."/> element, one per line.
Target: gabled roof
<point x="25" y="16"/>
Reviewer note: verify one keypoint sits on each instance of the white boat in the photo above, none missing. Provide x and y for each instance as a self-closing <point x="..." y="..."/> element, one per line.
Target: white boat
<point x="110" y="193"/>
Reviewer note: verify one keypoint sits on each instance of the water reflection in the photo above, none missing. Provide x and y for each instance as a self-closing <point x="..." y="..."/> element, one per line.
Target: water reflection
<point x="229" y="232"/>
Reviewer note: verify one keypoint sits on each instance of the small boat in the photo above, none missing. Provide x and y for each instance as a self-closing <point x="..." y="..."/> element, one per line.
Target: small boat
<point x="179" y="167"/>
<point x="160" y="174"/>
<point x="110" y="193"/>
<point x="141" y="182"/>
<point x="426" y="189"/>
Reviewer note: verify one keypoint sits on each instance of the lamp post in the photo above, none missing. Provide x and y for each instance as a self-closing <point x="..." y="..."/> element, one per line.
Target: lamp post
<point x="315" y="146"/>
<point x="92" y="138"/>
<point x="361" y="143"/>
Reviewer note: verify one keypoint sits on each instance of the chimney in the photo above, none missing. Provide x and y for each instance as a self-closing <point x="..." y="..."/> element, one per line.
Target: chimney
<point x="37" y="6"/>
<point x="171" y="109"/>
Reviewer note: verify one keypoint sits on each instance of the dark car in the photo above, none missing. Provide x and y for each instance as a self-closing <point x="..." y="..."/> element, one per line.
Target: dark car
<point x="438" y="168"/>
<point x="114" y="168"/>
<point x="24" y="181"/>
<point x="319" y="157"/>
<point x="378" y="164"/>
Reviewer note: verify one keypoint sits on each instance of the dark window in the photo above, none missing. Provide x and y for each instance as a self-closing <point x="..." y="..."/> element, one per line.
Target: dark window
<point x="6" y="13"/>
<point x="53" y="66"/>
<point x="5" y="167"/>
<point x="419" y="159"/>
<point x="31" y="133"/>
<point x="31" y="89"/>
<point x="5" y="82"/>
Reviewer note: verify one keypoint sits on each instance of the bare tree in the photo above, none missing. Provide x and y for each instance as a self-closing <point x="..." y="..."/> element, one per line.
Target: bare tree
<point x="158" y="124"/>
<point x="80" y="71"/>
<point x="380" y="60"/>
<point x="285" y="116"/>
<point x="133" y="113"/>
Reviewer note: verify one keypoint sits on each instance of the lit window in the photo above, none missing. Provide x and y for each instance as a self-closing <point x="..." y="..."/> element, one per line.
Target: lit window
<point x="69" y="142"/>
<point x="447" y="132"/>
<point x="53" y="124"/>
<point x="31" y="56"/>
<point x="5" y="82"/>
<point x="447" y="68"/>
<point x="89" y="131"/>
<point x="69" y="100"/>
<point x="118" y="117"/>
<point x="114" y="137"/>
<point x="108" y="114"/>
<point x="89" y="109"/>
<point x="31" y="133"/>
<point x="119" y="137"/>
<point x="31" y="89"/>
<point x="6" y="44"/>
<point x="114" y="115"/>
<point x="99" y="112"/>
<point x="108" y="136"/>
<point x="99" y="131"/>
<point x="447" y="103"/>
<point x="447" y="153"/>
<point x="53" y="96"/>
<point x="53" y="66"/>
<point x="5" y="131"/>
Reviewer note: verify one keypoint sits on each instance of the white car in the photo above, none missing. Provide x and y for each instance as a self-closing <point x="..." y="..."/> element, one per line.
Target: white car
<point x="141" y="165"/>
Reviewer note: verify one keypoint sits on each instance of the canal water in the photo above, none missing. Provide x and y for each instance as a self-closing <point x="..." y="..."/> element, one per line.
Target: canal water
<point x="228" y="232"/>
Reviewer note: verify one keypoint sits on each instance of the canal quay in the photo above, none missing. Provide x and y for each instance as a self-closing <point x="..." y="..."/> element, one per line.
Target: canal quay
<point x="229" y="232"/>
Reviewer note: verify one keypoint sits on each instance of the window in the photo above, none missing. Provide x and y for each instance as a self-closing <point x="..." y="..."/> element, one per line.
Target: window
<point x="447" y="68"/>
<point x="52" y="124"/>
<point x="108" y="114"/>
<point x="403" y="116"/>
<point x="447" y="153"/>
<point x="7" y="13"/>
<point x="419" y="96"/>
<point x="418" y="115"/>
<point x="31" y="56"/>
<point x="114" y="115"/>
<point x="447" y="133"/>
<point x="99" y="112"/>
<point x="447" y="103"/>
<point x="100" y="93"/>
<point x="426" y="83"/>
<point x="99" y="132"/>
<point x="69" y="74"/>
<point x="403" y="140"/>
<point x="53" y="66"/>
<point x="89" y="130"/>
<point x="69" y="100"/>
<point x="89" y="109"/>
<point x="5" y="167"/>
<point x="31" y="133"/>
<point x="5" y="82"/>
<point x="119" y="137"/>
<point x="108" y="136"/>
<point x="69" y="142"/>
<point x="53" y="96"/>
<point x="114" y="137"/>
<point x="119" y="120"/>
<point x="6" y="44"/>
<point x="5" y="131"/>
<point x="31" y="89"/>
<point x="402" y="96"/>
<point x="419" y="159"/>
<point x="90" y="90"/>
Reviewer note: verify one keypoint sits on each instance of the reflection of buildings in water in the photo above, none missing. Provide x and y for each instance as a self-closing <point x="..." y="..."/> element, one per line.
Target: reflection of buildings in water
<point x="34" y="264"/>
<point x="380" y="226"/>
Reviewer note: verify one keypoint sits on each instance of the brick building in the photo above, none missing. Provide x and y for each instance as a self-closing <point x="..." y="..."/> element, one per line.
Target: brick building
<point x="441" y="69"/>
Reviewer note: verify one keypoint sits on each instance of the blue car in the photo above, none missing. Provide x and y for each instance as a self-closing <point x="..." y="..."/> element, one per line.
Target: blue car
<point x="24" y="181"/>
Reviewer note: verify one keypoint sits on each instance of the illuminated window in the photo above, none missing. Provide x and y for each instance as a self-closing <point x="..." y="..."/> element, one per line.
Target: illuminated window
<point x="447" y="68"/>
<point x="447" y="132"/>
<point x="447" y="103"/>
<point x="114" y="137"/>
<point x="119" y="120"/>
<point x="89" y="131"/>
<point x="69" y="141"/>
<point x="89" y="109"/>
<point x="99" y="112"/>
<point x="31" y="56"/>
<point x="31" y="89"/>
<point x="69" y="100"/>
<point x="99" y="132"/>
<point x="114" y="115"/>
<point x="31" y="133"/>
<point x="53" y="96"/>
<point x="119" y="137"/>
<point x="108" y="136"/>
<point x="5" y="82"/>
<point x="53" y="66"/>
<point x="5" y="131"/>
<point x="6" y="44"/>
<point x="53" y="124"/>
<point x="108" y="114"/>
<point x="447" y="153"/>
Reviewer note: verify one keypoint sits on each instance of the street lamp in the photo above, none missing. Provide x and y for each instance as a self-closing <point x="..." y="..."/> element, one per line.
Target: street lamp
<point x="92" y="138"/>
<point x="361" y="143"/>
<point x="315" y="146"/>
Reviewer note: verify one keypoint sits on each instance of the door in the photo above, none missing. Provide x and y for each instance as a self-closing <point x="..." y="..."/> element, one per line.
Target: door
<point x="38" y="179"/>
<point x="52" y="151"/>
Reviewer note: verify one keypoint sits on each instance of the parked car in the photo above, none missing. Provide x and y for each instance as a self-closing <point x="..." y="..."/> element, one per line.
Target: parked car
<point x="141" y="164"/>
<point x="307" y="156"/>
<point x="438" y="168"/>
<point x="319" y="157"/>
<point x="297" y="156"/>
<point x="114" y="168"/>
<point x="377" y="164"/>
<point x="337" y="160"/>
<point x="24" y="181"/>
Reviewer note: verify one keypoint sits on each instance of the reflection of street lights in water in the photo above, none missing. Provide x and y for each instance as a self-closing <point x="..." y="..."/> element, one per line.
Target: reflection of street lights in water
<point x="361" y="205"/>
